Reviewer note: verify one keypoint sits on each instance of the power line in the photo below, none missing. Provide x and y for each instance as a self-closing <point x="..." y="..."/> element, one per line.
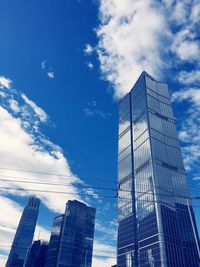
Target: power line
<point x="106" y="196"/>
<point x="47" y="191"/>
<point x="58" y="184"/>
<point x="96" y="187"/>
<point x="54" y="174"/>
<point x="39" y="181"/>
<point x="94" y="255"/>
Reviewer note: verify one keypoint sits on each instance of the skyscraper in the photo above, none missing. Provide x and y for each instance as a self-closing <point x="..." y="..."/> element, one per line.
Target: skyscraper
<point x="156" y="221"/>
<point x="24" y="234"/>
<point x="71" y="242"/>
<point x="37" y="254"/>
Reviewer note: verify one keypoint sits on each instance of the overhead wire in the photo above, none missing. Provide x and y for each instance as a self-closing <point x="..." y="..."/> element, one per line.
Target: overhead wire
<point x="95" y="251"/>
<point x="106" y="196"/>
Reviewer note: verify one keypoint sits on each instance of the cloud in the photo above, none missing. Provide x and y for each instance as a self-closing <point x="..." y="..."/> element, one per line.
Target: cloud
<point x="90" y="65"/>
<point x="189" y="77"/>
<point x="128" y="43"/>
<point x="192" y="94"/>
<point x="27" y="155"/>
<point x="106" y="252"/>
<point x="181" y="49"/>
<point x="88" y="50"/>
<point x="51" y="74"/>
<point x="92" y="111"/>
<point x="25" y="147"/>
<point x="48" y="70"/>
<point x="43" y="64"/>
<point x="14" y="105"/>
<point x="5" y="82"/>
<point x="40" y="112"/>
<point x="3" y="260"/>
<point x="189" y="132"/>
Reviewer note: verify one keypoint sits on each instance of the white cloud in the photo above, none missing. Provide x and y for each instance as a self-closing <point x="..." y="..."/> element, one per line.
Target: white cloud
<point x="90" y="65"/>
<point x="187" y="50"/>
<point x="106" y="250"/>
<point x="51" y="74"/>
<point x="40" y="112"/>
<point x="25" y="147"/>
<point x="189" y="78"/>
<point x="3" y="260"/>
<point x="32" y="157"/>
<point x="88" y="50"/>
<point x="94" y="112"/>
<point x="128" y="43"/>
<point x="5" y="82"/>
<point x="45" y="68"/>
<point x="195" y="14"/>
<point x="180" y="11"/>
<point x="101" y="261"/>
<point x="192" y="94"/>
<point x="14" y="105"/>
<point x="189" y="132"/>
<point x="43" y="64"/>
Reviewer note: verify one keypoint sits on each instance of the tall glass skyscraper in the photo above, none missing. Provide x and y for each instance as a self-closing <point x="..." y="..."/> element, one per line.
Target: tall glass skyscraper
<point x="156" y="221"/>
<point x="71" y="242"/>
<point x="24" y="234"/>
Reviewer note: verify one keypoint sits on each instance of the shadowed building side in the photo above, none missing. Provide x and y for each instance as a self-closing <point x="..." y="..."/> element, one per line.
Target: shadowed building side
<point x="24" y="234"/>
<point x="37" y="254"/>
<point x="54" y="243"/>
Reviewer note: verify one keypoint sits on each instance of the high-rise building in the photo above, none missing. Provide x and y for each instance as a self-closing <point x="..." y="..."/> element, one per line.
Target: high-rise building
<point x="71" y="242"/>
<point x="156" y="227"/>
<point x="24" y="234"/>
<point x="37" y="254"/>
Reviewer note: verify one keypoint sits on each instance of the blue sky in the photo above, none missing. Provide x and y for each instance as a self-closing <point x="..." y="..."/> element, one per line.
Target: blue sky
<point x="64" y="66"/>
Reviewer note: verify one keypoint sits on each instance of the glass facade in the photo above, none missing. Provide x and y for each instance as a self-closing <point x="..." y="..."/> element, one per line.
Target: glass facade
<point x="37" y="254"/>
<point x="156" y="221"/>
<point x="54" y="243"/>
<point x="74" y="245"/>
<point x="24" y="234"/>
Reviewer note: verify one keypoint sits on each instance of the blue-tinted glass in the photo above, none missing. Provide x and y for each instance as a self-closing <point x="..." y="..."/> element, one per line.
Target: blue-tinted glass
<point x="24" y="234"/>
<point x="156" y="225"/>
<point x="71" y="242"/>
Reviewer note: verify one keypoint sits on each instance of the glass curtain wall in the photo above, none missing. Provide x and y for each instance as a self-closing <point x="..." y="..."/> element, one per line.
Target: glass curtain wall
<point x="154" y="212"/>
<point x="24" y="234"/>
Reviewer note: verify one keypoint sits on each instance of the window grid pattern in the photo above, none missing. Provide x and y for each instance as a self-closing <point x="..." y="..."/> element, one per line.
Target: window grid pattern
<point x="158" y="176"/>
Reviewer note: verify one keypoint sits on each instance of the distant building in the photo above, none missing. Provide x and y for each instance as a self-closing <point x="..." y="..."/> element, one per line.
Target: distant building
<point x="71" y="242"/>
<point x="37" y="254"/>
<point x="156" y="221"/>
<point x="24" y="234"/>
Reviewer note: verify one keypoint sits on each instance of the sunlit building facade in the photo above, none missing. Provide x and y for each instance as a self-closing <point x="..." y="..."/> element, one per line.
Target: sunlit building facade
<point x="71" y="242"/>
<point x="156" y="227"/>
<point x="24" y="234"/>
